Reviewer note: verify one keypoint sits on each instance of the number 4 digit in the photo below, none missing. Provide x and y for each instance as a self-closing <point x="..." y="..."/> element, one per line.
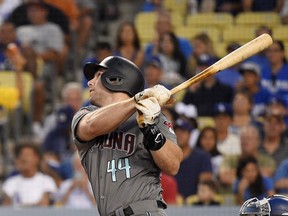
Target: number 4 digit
<point x="126" y="166"/>
<point x="112" y="170"/>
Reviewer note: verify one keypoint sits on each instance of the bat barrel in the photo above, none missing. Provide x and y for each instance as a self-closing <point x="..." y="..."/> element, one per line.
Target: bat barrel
<point x="247" y="50"/>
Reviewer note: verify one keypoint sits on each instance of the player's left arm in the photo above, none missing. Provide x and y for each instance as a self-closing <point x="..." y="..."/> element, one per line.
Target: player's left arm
<point x="166" y="154"/>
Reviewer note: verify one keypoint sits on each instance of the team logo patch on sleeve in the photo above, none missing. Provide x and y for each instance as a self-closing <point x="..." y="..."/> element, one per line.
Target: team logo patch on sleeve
<point x="170" y="126"/>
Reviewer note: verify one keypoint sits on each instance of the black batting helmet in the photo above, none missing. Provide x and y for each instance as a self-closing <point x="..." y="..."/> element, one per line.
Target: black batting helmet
<point x="275" y="205"/>
<point x="120" y="74"/>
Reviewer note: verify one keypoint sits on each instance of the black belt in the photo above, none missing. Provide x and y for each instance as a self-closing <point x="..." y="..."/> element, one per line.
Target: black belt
<point x="128" y="210"/>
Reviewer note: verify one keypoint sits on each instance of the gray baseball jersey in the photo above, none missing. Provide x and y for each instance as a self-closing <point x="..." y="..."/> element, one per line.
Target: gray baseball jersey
<point x="121" y="170"/>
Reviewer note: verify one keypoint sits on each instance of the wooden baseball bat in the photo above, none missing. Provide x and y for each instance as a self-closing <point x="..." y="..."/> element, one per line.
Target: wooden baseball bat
<point x="247" y="50"/>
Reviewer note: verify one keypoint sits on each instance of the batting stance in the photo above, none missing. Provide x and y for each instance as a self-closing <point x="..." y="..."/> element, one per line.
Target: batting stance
<point x="124" y="140"/>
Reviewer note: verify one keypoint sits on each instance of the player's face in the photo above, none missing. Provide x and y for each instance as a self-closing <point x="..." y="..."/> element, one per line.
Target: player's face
<point x="98" y="93"/>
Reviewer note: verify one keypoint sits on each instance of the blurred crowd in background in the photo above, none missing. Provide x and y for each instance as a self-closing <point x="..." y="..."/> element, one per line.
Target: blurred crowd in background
<point x="232" y="127"/>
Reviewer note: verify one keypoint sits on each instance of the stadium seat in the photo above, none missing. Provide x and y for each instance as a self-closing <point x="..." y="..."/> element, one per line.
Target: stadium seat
<point x="145" y="25"/>
<point x="220" y="20"/>
<point x="240" y="34"/>
<point x="177" y="19"/>
<point x="280" y="33"/>
<point x="194" y="199"/>
<point x="220" y="49"/>
<point x="258" y="18"/>
<point x="189" y="32"/>
<point x="179" y="6"/>
<point x="8" y="84"/>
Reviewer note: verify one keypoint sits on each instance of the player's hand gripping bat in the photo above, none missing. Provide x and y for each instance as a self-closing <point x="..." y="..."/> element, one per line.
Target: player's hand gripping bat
<point x="247" y="50"/>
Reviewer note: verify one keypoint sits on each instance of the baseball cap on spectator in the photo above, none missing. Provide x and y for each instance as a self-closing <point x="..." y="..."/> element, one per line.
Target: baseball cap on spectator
<point x="205" y="60"/>
<point x="222" y="109"/>
<point x="183" y="124"/>
<point x="154" y="61"/>
<point x="277" y="100"/>
<point x="249" y="67"/>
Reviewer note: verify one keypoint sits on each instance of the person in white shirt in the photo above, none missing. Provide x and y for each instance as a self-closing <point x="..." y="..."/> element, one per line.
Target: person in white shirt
<point x="29" y="187"/>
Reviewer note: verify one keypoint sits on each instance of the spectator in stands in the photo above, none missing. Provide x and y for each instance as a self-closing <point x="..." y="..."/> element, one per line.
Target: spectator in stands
<point x="24" y="59"/>
<point x="281" y="178"/>
<point x="173" y="62"/>
<point x="274" y="77"/>
<point x="251" y="83"/>
<point x="19" y="16"/>
<point x="196" y="165"/>
<point x="262" y="5"/>
<point x="229" y="6"/>
<point x="46" y="38"/>
<point x="163" y="25"/>
<point x="231" y="75"/>
<point x="153" y="72"/>
<point x="128" y="43"/>
<point x="250" y="142"/>
<point x="29" y="187"/>
<point x="58" y="137"/>
<point x="6" y="7"/>
<point x="228" y="143"/>
<point x="210" y="88"/>
<point x="242" y="105"/>
<point x="202" y="45"/>
<point x="250" y="182"/>
<point x="278" y="104"/>
<point x="188" y="111"/>
<point x="206" y="195"/>
<point x="76" y="192"/>
<point x="274" y="143"/>
<point x="207" y="141"/>
<point x="261" y="57"/>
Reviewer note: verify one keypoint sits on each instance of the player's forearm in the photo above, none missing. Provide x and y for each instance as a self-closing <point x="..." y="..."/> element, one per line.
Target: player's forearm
<point x="168" y="158"/>
<point x="105" y="119"/>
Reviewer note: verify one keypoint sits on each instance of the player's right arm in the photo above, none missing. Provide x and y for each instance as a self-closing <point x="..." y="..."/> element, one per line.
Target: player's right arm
<point x="104" y="119"/>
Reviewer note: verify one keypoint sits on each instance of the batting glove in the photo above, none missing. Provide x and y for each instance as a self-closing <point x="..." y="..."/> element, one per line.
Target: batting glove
<point x="147" y="115"/>
<point x="161" y="93"/>
<point x="148" y="111"/>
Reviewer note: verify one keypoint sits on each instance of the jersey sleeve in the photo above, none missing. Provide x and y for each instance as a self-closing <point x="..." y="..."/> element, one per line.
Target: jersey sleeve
<point x="166" y="128"/>
<point x="82" y="147"/>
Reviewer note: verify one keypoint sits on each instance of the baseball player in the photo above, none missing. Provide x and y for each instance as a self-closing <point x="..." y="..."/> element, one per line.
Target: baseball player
<point x="124" y="140"/>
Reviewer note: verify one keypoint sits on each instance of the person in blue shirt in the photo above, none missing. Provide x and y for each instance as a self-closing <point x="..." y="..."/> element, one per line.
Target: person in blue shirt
<point x="251" y="83"/>
<point x="250" y="183"/>
<point x="196" y="165"/>
<point x="275" y="76"/>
